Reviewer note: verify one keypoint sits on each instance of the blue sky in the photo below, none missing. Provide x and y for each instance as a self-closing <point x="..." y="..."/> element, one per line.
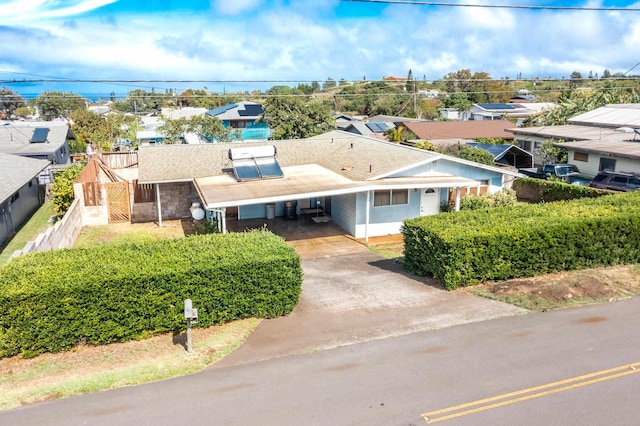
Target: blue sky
<point x="238" y="43"/>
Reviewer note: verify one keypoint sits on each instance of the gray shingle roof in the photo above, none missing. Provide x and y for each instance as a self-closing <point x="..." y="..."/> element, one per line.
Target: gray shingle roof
<point x="362" y="157"/>
<point x="16" y="171"/>
<point x="15" y="137"/>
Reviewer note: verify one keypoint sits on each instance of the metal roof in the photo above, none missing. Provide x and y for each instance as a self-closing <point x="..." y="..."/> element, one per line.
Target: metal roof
<point x="570" y="132"/>
<point x="16" y="171"/>
<point x="612" y="115"/>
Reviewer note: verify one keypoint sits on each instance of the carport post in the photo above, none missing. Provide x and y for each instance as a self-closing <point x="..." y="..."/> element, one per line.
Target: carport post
<point x="457" y="198"/>
<point x="366" y="219"/>
<point x="158" y="204"/>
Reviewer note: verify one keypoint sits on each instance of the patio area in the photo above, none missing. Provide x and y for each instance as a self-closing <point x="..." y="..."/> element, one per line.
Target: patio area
<point x="312" y="240"/>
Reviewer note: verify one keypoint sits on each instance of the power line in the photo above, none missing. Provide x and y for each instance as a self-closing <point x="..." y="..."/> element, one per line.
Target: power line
<point x="497" y="6"/>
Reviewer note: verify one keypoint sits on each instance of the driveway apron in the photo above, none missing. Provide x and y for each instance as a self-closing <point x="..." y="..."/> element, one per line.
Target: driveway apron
<point x="356" y="296"/>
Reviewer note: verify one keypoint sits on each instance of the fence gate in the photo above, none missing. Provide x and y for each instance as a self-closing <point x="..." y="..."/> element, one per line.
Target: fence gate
<point x="119" y="207"/>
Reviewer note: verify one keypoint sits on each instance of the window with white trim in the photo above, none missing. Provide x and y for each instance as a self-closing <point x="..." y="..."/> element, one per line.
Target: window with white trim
<point x="390" y="197"/>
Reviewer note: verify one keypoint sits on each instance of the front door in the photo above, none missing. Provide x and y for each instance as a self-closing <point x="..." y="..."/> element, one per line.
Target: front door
<point x="429" y="201"/>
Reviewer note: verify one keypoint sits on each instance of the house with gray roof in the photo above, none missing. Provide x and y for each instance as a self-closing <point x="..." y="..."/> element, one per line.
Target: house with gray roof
<point x="246" y="118"/>
<point x="44" y="140"/>
<point x="606" y="138"/>
<point x="365" y="185"/>
<point x="19" y="196"/>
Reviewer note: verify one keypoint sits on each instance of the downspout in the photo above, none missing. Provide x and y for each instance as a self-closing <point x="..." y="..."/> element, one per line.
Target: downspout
<point x="366" y="220"/>
<point x="158" y="204"/>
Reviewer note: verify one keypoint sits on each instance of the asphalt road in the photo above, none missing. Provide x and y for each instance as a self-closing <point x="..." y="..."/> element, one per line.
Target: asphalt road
<point x="554" y="368"/>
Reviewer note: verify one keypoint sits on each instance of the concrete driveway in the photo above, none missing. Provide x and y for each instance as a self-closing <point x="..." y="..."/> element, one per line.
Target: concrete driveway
<point x="358" y="297"/>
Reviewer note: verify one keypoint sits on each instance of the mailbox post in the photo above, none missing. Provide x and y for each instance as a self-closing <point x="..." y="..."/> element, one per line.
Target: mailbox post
<point x="191" y="315"/>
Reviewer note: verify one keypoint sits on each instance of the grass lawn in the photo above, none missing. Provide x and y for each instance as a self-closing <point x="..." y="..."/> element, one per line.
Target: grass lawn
<point x="38" y="223"/>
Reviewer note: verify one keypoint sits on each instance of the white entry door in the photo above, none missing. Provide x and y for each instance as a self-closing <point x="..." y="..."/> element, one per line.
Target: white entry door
<point x="429" y="201"/>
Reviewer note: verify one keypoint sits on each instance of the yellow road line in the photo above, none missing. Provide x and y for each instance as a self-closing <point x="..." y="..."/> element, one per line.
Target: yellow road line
<point x="516" y="396"/>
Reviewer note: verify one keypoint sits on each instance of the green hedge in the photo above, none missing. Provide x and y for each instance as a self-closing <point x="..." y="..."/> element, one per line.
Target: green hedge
<point x="539" y="190"/>
<point x="469" y="247"/>
<point x="52" y="301"/>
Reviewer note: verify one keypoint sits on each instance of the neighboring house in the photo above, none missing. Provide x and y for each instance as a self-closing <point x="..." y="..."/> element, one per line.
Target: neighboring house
<point x="47" y="140"/>
<point x="373" y="129"/>
<point x="377" y="125"/>
<point x="511" y="110"/>
<point x="244" y="117"/>
<point x="607" y="138"/>
<point x="366" y="186"/>
<point x="19" y="196"/>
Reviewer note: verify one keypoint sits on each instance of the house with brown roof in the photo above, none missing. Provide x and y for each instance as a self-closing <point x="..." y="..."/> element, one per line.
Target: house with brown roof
<point x="460" y="131"/>
<point x="365" y="185"/>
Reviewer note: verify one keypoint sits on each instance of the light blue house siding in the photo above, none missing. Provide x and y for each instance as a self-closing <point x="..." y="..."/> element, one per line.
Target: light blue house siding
<point x="384" y="219"/>
<point x="482" y="175"/>
<point x="343" y="212"/>
<point x="254" y="130"/>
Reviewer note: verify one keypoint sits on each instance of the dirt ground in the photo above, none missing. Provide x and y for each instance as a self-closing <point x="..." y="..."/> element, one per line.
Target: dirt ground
<point x="567" y="288"/>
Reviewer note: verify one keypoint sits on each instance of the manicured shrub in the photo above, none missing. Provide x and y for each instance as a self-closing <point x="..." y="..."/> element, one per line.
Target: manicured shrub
<point x="539" y="190"/>
<point x="54" y="300"/>
<point x="473" y="246"/>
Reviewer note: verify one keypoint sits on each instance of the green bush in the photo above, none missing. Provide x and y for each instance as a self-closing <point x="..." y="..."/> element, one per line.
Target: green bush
<point x="52" y="301"/>
<point x="62" y="194"/>
<point x="473" y="246"/>
<point x="539" y="190"/>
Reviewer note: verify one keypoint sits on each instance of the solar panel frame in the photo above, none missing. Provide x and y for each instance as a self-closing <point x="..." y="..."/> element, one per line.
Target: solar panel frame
<point x="246" y="169"/>
<point x="251" y="111"/>
<point x="40" y="135"/>
<point x="222" y="109"/>
<point x="268" y="167"/>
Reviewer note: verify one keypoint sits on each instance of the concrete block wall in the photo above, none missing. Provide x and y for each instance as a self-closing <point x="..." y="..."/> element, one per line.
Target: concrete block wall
<point x="62" y="235"/>
<point x="92" y="215"/>
<point x="175" y="200"/>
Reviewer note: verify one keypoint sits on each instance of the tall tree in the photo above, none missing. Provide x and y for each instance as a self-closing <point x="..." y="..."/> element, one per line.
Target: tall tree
<point x="330" y="83"/>
<point x="10" y="101"/>
<point x="294" y="118"/>
<point x="53" y="104"/>
<point x="207" y="126"/>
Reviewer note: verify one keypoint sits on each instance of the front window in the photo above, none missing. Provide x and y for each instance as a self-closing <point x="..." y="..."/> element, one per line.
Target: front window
<point x="390" y="197"/>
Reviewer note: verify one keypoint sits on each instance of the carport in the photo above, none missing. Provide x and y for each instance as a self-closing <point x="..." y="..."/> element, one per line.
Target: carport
<point x="309" y="181"/>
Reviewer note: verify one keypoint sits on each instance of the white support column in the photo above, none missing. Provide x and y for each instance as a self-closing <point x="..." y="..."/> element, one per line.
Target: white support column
<point x="158" y="204"/>
<point x="366" y="219"/>
<point x="223" y="220"/>
<point x="457" y="198"/>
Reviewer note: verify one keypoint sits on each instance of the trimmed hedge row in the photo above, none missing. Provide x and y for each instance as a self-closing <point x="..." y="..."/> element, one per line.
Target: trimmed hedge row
<point x="52" y="301"/>
<point x="469" y="247"/>
<point x="539" y="190"/>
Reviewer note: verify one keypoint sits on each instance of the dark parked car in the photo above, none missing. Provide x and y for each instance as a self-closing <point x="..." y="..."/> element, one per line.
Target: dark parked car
<point x="566" y="172"/>
<point x="617" y="181"/>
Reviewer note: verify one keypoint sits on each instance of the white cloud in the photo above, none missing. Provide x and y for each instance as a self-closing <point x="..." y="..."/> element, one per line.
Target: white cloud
<point x="299" y="43"/>
<point x="34" y="10"/>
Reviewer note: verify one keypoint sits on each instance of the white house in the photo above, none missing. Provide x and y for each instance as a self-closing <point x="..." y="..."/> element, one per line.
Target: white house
<point x="607" y="138"/>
